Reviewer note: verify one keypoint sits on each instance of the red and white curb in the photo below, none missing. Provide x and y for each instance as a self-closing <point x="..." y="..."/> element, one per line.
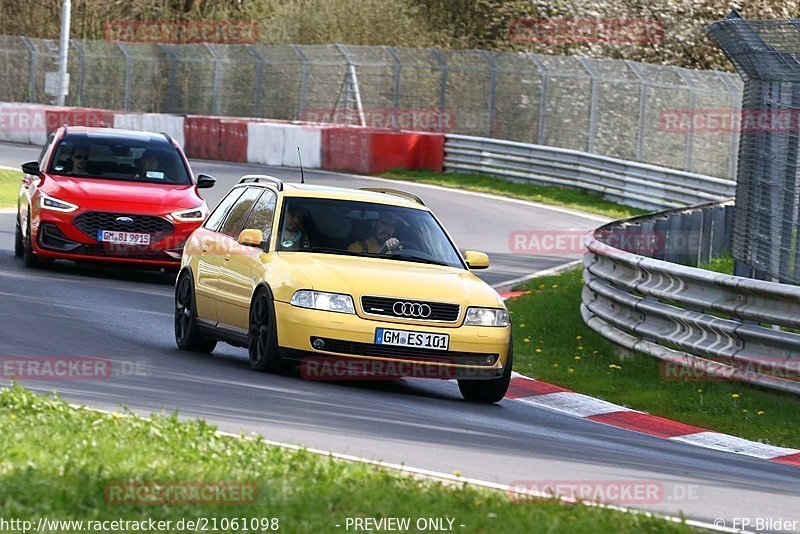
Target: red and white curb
<point x="551" y="397"/>
<point x="555" y="398"/>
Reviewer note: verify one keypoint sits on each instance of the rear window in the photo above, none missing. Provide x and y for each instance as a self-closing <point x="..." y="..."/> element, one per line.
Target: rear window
<point x="137" y="160"/>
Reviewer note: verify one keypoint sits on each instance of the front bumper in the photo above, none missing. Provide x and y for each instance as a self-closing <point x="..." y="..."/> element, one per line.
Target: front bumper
<point x="57" y="237"/>
<point x="474" y="352"/>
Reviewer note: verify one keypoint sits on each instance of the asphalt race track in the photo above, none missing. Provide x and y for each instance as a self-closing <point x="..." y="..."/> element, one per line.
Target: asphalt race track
<point x="126" y="316"/>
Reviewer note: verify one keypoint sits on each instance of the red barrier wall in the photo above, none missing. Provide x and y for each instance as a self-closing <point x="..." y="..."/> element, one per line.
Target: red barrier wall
<point x="202" y="136"/>
<point x="370" y="151"/>
<point x="233" y="140"/>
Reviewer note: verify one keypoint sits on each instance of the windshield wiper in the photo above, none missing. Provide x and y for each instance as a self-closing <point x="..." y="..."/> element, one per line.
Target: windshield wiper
<point x="416" y="259"/>
<point x="333" y="250"/>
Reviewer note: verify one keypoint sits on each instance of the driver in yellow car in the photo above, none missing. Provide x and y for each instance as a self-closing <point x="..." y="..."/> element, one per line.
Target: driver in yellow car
<point x="382" y="241"/>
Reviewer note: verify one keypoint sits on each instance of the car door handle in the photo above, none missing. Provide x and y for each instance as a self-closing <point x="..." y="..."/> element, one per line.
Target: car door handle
<point x="205" y="248"/>
<point x="227" y="257"/>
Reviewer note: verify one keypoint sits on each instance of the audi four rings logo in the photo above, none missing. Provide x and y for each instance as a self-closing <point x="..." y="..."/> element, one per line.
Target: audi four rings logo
<point x="411" y="309"/>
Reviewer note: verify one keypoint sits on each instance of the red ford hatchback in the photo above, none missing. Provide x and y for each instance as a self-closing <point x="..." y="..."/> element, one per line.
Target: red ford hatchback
<point x="108" y="195"/>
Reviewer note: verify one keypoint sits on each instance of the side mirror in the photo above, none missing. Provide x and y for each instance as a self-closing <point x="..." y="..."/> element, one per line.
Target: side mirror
<point x="205" y="181"/>
<point x="476" y="260"/>
<point x="32" y="168"/>
<point x="251" y="237"/>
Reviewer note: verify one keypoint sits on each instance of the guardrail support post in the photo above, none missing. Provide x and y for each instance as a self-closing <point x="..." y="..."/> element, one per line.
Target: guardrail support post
<point x="440" y="60"/>
<point x="301" y="105"/>
<point x="33" y="90"/>
<point x="545" y="78"/>
<point x="492" y="92"/>
<point x="126" y="98"/>
<point x="396" y="74"/>
<point x="172" y="77"/>
<point x="258" y="90"/>
<point x="586" y="64"/>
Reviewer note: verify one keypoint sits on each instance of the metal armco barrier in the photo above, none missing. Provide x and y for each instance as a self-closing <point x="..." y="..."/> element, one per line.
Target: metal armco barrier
<point x="635" y="184"/>
<point x="722" y="326"/>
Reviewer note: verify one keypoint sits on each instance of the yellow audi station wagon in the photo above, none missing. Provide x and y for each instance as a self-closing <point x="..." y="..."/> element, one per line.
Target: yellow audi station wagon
<point x="316" y="276"/>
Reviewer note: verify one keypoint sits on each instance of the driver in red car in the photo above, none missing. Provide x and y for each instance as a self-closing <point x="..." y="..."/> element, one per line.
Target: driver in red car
<point x="382" y="241"/>
<point x="78" y="159"/>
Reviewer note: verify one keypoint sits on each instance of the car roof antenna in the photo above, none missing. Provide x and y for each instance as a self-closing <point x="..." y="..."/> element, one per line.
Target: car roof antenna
<point x="302" y="175"/>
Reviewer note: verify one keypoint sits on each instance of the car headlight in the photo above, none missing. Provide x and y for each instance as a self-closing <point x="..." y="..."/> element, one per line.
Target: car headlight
<point x="319" y="300"/>
<point x="197" y="214"/>
<point x="486" y="317"/>
<point x="51" y="203"/>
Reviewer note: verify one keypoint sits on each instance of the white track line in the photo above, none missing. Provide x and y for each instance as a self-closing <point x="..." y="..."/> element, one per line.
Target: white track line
<point x="546" y="272"/>
<point x="447" y="478"/>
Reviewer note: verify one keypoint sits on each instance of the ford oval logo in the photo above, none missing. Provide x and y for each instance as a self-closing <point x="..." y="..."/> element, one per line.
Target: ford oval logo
<point x="124" y="220"/>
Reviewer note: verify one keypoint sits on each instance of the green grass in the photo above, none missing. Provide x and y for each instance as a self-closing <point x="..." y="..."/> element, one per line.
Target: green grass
<point x="557" y="196"/>
<point x="9" y="186"/>
<point x="57" y="460"/>
<point x="552" y="343"/>
<point x="722" y="264"/>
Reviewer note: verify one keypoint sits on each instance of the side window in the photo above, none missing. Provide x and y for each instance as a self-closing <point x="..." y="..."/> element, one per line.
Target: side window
<point x="235" y="219"/>
<point x="263" y="214"/>
<point x="213" y="221"/>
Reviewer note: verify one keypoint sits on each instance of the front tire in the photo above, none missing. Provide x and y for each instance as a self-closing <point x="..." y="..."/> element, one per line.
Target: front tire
<point x="28" y="256"/>
<point x="488" y="391"/>
<point x="19" y="246"/>
<point x="187" y="332"/>
<point x="262" y="336"/>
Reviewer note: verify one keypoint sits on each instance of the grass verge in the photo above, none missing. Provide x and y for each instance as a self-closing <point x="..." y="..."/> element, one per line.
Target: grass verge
<point x="722" y="264"/>
<point x="9" y="185"/>
<point x="58" y="462"/>
<point x="552" y="343"/>
<point x="556" y="196"/>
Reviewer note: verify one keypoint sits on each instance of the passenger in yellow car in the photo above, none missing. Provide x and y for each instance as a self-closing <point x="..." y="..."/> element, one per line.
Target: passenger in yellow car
<point x="293" y="237"/>
<point x="382" y="241"/>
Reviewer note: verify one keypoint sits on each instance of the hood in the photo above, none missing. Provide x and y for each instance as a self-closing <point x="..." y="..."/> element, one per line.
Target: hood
<point x="359" y="276"/>
<point x="91" y="190"/>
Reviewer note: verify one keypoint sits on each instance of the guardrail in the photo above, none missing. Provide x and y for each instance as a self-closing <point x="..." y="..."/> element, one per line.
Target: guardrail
<point x="722" y="326"/>
<point x="635" y="184"/>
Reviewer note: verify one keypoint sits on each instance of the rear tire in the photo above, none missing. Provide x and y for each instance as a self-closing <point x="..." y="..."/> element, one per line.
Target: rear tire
<point x="262" y="336"/>
<point x="19" y="246"/>
<point x="187" y="332"/>
<point x="488" y="391"/>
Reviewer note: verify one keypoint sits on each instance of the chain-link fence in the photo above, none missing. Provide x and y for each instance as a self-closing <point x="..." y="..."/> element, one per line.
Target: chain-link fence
<point x="765" y="225"/>
<point x="609" y="107"/>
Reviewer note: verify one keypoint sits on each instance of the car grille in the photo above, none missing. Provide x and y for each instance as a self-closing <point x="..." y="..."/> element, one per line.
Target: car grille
<point x="92" y="221"/>
<point x="410" y="353"/>
<point x="385" y="306"/>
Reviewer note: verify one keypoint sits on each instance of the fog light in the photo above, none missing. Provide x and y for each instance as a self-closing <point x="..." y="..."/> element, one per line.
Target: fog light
<point x="318" y="344"/>
<point x="490" y="360"/>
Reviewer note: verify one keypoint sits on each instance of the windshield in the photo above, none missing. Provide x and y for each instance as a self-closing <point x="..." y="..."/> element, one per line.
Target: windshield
<point x="364" y="229"/>
<point x="135" y="160"/>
